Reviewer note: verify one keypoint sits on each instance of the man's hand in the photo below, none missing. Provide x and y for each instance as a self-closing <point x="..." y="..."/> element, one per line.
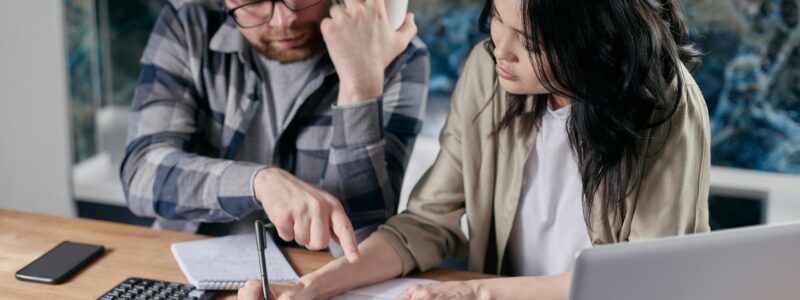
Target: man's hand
<point x="362" y="44"/>
<point x="304" y="213"/>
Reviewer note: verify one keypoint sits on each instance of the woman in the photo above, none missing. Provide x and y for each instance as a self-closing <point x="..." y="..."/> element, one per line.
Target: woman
<point x="577" y="124"/>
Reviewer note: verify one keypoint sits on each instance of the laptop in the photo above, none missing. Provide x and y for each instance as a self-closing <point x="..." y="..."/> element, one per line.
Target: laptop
<point x="760" y="262"/>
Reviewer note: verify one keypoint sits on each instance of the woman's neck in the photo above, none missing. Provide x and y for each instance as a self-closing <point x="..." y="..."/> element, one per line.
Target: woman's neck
<point x="555" y="102"/>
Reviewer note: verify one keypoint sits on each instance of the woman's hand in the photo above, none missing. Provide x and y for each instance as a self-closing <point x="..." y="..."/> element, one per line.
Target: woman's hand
<point x="554" y="287"/>
<point x="361" y="44"/>
<point x="442" y="291"/>
<point x="280" y="291"/>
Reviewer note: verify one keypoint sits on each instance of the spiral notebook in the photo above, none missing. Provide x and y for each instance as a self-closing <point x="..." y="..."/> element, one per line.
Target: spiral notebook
<point x="226" y="263"/>
<point x="386" y="290"/>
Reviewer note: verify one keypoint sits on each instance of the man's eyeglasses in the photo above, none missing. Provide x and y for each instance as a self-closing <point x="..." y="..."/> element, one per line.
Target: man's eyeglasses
<point x="253" y="13"/>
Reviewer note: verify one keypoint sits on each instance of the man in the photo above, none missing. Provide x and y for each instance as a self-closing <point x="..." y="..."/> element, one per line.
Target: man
<point x="301" y="109"/>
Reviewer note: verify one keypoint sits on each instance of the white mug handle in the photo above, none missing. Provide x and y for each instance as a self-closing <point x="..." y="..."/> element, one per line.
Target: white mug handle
<point x="396" y="11"/>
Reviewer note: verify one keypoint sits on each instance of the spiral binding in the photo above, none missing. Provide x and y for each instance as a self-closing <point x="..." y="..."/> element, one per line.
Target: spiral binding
<point x="224" y="284"/>
<point x="220" y="284"/>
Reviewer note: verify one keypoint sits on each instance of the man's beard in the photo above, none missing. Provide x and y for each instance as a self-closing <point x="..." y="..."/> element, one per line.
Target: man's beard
<point x="313" y="45"/>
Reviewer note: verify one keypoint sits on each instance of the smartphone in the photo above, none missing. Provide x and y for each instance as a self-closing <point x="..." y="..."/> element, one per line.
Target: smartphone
<point x="60" y="263"/>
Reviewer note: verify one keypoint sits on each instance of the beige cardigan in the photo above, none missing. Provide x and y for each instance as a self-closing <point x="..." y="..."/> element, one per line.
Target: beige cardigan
<point x="481" y="175"/>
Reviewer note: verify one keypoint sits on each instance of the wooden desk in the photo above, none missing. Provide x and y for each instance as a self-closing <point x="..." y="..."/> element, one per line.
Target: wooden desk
<point x="131" y="251"/>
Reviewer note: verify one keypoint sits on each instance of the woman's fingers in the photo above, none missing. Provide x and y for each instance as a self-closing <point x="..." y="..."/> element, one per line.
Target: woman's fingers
<point x="251" y="291"/>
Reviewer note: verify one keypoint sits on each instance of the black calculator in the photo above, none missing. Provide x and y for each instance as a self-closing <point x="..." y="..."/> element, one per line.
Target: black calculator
<point x="141" y="289"/>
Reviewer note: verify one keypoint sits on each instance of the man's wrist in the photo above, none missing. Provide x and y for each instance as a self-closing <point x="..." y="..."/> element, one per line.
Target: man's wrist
<point x="354" y="93"/>
<point x="260" y="181"/>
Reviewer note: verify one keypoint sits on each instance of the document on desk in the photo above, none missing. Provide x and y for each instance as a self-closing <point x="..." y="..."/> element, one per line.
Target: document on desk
<point x="226" y="263"/>
<point x="385" y="290"/>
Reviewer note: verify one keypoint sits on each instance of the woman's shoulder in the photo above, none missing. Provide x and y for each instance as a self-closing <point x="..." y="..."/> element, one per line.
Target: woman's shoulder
<point x="692" y="107"/>
<point x="689" y="120"/>
<point x="691" y="92"/>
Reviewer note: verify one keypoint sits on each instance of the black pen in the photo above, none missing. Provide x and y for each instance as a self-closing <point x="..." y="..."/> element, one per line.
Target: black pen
<point x="261" y="242"/>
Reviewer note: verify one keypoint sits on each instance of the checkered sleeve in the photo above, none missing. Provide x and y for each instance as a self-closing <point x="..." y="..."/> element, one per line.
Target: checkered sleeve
<point x="373" y="140"/>
<point x="160" y="177"/>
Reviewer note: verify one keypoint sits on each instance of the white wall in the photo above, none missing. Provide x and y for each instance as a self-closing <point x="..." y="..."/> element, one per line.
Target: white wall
<point x="35" y="158"/>
<point x="780" y="191"/>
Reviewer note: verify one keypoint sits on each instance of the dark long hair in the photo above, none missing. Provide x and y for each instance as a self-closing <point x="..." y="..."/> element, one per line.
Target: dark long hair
<point x="616" y="60"/>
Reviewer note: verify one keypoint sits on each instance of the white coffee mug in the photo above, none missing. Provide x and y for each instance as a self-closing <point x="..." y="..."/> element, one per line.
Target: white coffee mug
<point x="396" y="11"/>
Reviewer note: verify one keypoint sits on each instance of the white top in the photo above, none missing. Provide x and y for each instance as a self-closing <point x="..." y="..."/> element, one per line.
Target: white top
<point x="549" y="227"/>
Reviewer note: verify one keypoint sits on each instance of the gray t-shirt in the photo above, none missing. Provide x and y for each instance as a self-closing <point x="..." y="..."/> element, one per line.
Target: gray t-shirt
<point x="282" y="89"/>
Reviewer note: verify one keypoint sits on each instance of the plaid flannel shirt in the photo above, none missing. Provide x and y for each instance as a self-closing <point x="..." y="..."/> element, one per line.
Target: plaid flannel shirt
<point x="198" y="93"/>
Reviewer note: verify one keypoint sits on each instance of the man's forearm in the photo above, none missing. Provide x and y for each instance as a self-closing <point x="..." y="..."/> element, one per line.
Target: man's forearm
<point x="359" y="161"/>
<point x="378" y="262"/>
<point x="165" y="181"/>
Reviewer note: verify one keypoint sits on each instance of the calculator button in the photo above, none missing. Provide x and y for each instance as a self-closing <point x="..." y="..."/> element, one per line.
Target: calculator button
<point x="138" y="288"/>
